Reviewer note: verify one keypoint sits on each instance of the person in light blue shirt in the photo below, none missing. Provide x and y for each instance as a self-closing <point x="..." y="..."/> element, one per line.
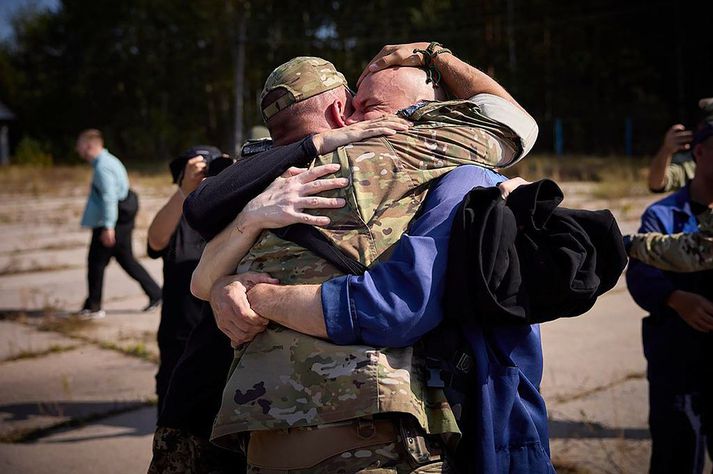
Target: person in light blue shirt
<point x="110" y="213"/>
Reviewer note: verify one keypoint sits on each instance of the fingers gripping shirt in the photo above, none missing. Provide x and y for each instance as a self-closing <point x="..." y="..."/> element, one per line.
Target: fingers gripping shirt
<point x="680" y="252"/>
<point x="286" y="379"/>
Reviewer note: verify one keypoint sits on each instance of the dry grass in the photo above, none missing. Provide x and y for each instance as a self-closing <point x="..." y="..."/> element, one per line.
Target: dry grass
<point x="581" y="168"/>
<point x="71" y="180"/>
<point x="44" y="181"/>
<point x="155" y="176"/>
<point x="74" y="327"/>
<point x="14" y="267"/>
<point x="53" y="349"/>
<point x="591" y="391"/>
<point x="69" y="326"/>
<point x="138" y="350"/>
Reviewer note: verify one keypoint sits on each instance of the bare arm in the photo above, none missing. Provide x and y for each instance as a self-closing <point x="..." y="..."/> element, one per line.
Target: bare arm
<point x="281" y="204"/>
<point x="467" y="83"/>
<point x="222" y="254"/>
<point x="463" y="80"/>
<point x="165" y="222"/>
<point x="298" y="307"/>
<point x="677" y="138"/>
<point x="167" y="218"/>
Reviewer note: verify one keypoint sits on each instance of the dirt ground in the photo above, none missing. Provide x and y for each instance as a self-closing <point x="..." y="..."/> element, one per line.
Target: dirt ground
<point x="78" y="396"/>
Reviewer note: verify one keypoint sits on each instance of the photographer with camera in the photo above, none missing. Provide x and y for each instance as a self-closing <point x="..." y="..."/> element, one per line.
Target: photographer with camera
<point x="172" y="239"/>
<point x="673" y="165"/>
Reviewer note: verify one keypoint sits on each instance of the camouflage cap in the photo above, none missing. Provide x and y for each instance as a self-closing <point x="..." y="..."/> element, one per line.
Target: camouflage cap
<point x="302" y="77"/>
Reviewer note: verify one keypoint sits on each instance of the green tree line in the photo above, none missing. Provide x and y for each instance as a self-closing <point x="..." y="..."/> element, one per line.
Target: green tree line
<point x="157" y="76"/>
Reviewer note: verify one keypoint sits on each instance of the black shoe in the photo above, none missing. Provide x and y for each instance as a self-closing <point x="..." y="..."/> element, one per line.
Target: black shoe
<point x="152" y="306"/>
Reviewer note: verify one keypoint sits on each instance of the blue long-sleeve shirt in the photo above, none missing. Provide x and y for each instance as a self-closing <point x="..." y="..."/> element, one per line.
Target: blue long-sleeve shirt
<point x="110" y="184"/>
<point x="649" y="286"/>
<point x="398" y="301"/>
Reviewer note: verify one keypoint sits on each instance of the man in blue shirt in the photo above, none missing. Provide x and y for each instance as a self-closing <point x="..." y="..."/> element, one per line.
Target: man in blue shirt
<point x="110" y="213"/>
<point x="678" y="333"/>
<point x="399" y="300"/>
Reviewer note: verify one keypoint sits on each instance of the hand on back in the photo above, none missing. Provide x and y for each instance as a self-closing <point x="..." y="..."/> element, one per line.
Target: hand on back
<point x="285" y="200"/>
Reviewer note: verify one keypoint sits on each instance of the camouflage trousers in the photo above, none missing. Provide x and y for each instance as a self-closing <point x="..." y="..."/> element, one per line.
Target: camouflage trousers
<point x="178" y="451"/>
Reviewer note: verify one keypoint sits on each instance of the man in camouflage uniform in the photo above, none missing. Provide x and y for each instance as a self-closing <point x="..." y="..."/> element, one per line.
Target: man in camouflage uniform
<point x="673" y="166"/>
<point x="290" y="390"/>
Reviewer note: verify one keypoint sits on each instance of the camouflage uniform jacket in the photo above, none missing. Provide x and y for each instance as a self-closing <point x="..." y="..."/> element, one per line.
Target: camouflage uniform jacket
<point x="285" y="379"/>
<point x="677" y="252"/>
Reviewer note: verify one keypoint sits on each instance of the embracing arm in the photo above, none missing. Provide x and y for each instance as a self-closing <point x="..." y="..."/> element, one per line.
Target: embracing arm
<point x="298" y="307"/>
<point x="462" y="80"/>
<point x="280" y="205"/>
<point x="218" y="200"/>
<point x="223" y="254"/>
<point x="395" y="302"/>
<point x="466" y="82"/>
<point x="681" y="252"/>
<point x="649" y="286"/>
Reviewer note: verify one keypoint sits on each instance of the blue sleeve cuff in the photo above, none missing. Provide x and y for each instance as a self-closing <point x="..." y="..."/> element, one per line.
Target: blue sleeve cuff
<point x="337" y="308"/>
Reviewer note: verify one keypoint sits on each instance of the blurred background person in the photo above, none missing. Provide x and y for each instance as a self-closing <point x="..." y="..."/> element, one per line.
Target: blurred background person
<point x="678" y="333"/>
<point x="110" y="212"/>
<point x="673" y="165"/>
<point x="171" y="238"/>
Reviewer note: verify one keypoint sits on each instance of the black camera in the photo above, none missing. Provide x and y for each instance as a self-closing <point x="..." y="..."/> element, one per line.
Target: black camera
<point x="215" y="160"/>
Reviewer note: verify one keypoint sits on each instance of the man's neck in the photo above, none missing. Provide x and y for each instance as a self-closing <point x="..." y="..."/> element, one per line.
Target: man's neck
<point x="701" y="191"/>
<point x="96" y="154"/>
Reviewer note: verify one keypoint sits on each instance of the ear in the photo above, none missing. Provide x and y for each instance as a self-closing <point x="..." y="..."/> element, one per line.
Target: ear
<point x="336" y="115"/>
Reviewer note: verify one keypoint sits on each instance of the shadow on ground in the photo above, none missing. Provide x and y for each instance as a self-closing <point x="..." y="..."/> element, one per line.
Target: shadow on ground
<point x="134" y="423"/>
<point x="116" y="414"/>
<point x="69" y="409"/>
<point x="583" y="430"/>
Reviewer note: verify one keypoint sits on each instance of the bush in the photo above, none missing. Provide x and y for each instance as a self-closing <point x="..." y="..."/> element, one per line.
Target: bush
<point x="30" y="152"/>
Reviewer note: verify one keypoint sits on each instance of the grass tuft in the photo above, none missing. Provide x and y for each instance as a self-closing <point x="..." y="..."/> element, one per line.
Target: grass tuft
<point x="53" y="349"/>
<point x="64" y="325"/>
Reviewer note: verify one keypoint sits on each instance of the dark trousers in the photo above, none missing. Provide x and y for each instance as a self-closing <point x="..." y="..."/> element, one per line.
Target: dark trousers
<point x="173" y="334"/>
<point x="170" y="351"/>
<point x="196" y="388"/>
<point x="680" y="402"/>
<point x="99" y="257"/>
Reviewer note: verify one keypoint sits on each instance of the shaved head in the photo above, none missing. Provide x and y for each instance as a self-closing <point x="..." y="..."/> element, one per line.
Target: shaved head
<point x="320" y="113"/>
<point x="390" y="90"/>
